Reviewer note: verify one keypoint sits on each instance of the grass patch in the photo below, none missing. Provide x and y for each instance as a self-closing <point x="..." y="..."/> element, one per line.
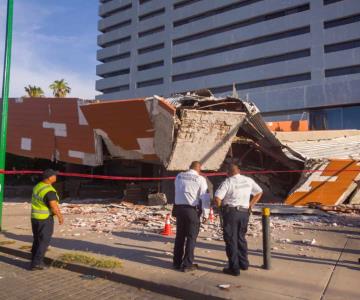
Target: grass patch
<point x="2" y="243"/>
<point x="88" y="260"/>
<point x="25" y="247"/>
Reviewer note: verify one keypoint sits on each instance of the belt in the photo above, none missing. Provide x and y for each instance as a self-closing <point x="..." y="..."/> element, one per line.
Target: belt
<point x="185" y="205"/>
<point x="238" y="208"/>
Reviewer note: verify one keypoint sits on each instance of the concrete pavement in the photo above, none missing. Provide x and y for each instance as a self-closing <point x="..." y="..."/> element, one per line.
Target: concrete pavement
<point x="327" y="270"/>
<point x="17" y="283"/>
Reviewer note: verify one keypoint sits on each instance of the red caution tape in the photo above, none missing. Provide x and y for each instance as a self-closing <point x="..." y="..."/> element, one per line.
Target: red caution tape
<point x="126" y="178"/>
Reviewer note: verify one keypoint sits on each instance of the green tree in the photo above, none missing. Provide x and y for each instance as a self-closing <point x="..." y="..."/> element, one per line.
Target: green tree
<point x="60" y="88"/>
<point x="34" y="91"/>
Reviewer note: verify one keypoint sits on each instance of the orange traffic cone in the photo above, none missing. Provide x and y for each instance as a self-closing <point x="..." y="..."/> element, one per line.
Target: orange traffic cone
<point x="211" y="215"/>
<point x="167" y="229"/>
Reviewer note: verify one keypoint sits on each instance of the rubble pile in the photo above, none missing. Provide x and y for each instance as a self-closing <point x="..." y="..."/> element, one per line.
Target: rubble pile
<point x="106" y="218"/>
<point x="109" y="217"/>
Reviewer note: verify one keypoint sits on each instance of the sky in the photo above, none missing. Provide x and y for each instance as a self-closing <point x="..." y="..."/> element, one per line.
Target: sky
<point x="52" y="40"/>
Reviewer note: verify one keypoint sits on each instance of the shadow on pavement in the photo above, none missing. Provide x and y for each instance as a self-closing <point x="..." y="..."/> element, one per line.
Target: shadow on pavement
<point x="15" y="262"/>
<point x="157" y="257"/>
<point x="340" y="230"/>
<point x="144" y="256"/>
<point x="164" y="289"/>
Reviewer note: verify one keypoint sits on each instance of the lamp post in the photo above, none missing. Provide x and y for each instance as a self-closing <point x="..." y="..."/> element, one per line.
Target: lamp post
<point x="5" y="99"/>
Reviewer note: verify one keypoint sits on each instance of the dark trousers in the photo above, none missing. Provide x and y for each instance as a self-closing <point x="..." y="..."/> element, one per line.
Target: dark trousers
<point x="187" y="230"/>
<point x="42" y="233"/>
<point x="235" y="228"/>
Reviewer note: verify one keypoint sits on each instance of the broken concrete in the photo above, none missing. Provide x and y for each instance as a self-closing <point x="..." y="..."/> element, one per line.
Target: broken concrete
<point x="173" y="132"/>
<point x="157" y="199"/>
<point x="205" y="136"/>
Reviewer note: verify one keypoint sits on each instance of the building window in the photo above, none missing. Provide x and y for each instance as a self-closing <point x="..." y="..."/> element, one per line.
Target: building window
<point x="327" y="2"/>
<point x="151" y="82"/>
<point x="152" y="14"/>
<point x="151" y="65"/>
<point x="116" y="89"/>
<point x="115" y="11"/>
<point x="116" y="26"/>
<point x="151" y="48"/>
<point x="115" y="73"/>
<point x="243" y="65"/>
<point x="342" y="46"/>
<point x="184" y="3"/>
<point x="342" y="21"/>
<point x="115" y="57"/>
<point x="116" y="42"/>
<point x="214" y="12"/>
<point x="243" y="44"/>
<point x="342" y="71"/>
<point x="242" y="23"/>
<point x="335" y="118"/>
<point x="151" y="31"/>
<point x="262" y="83"/>
<point x="144" y="1"/>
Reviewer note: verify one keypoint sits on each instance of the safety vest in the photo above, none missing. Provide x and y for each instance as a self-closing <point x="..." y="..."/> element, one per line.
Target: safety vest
<point x="39" y="210"/>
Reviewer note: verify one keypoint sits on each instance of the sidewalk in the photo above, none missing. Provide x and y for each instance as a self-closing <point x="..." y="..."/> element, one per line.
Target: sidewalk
<point x="329" y="269"/>
<point x="16" y="283"/>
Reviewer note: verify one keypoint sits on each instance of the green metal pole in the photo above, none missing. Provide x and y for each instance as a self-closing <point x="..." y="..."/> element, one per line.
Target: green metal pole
<point x="5" y="99"/>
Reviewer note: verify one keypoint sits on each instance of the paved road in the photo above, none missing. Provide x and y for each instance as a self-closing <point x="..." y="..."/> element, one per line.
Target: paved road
<point x="17" y="283"/>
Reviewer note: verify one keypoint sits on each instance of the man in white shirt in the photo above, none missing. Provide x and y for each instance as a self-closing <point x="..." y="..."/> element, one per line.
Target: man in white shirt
<point x="233" y="196"/>
<point x="190" y="195"/>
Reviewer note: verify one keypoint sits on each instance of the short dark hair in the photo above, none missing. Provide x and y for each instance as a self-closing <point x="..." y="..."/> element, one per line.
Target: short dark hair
<point x="195" y="164"/>
<point x="48" y="173"/>
<point x="233" y="168"/>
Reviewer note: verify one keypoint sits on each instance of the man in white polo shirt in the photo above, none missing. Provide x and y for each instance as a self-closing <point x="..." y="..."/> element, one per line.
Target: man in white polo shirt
<point x="190" y="197"/>
<point x="233" y="196"/>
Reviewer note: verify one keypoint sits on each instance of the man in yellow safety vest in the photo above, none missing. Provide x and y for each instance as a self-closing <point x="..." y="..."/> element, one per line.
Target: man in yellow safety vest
<point x="44" y="205"/>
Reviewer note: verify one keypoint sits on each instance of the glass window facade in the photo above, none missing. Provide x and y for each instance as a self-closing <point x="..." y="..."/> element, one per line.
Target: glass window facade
<point x="335" y="118"/>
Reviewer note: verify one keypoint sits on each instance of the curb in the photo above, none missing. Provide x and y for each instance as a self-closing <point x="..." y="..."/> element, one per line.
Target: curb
<point x="168" y="290"/>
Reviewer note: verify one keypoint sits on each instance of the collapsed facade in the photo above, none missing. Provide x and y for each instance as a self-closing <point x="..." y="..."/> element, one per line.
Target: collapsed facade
<point x="172" y="132"/>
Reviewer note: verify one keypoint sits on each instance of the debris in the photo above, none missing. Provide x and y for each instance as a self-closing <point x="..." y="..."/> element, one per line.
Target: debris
<point x="224" y="286"/>
<point x="344" y="208"/>
<point x="103" y="219"/>
<point x="88" y="277"/>
<point x="336" y="185"/>
<point x="283" y="209"/>
<point x="157" y="199"/>
<point x="309" y="242"/>
<point x="285" y="241"/>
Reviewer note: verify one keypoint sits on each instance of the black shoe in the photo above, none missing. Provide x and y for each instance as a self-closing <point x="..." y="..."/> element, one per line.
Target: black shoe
<point x="176" y="267"/>
<point x="38" y="267"/>
<point x="244" y="268"/>
<point x="191" y="268"/>
<point x="231" y="272"/>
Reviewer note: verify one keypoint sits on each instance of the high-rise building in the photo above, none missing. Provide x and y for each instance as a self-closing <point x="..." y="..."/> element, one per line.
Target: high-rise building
<point x="293" y="58"/>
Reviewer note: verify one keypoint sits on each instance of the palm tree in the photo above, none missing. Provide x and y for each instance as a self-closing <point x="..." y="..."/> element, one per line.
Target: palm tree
<point x="34" y="91"/>
<point x="60" y="88"/>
